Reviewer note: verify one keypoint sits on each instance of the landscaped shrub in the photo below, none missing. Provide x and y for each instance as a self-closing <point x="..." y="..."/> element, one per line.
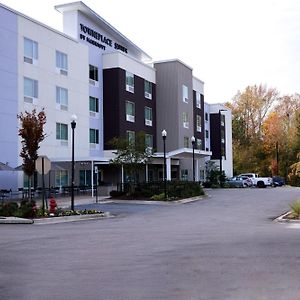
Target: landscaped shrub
<point x="115" y="193"/>
<point x="294" y="180"/>
<point x="175" y="189"/>
<point x="27" y="209"/>
<point x="146" y="190"/>
<point x="295" y="206"/>
<point x="184" y="189"/>
<point x="158" y="197"/>
<point x="8" y="209"/>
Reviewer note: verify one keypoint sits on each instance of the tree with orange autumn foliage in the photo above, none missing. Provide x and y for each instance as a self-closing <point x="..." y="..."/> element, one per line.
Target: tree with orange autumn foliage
<point x="266" y="131"/>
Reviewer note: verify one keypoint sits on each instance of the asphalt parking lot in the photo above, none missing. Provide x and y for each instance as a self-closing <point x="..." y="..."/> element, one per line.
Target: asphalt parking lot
<point x="225" y="246"/>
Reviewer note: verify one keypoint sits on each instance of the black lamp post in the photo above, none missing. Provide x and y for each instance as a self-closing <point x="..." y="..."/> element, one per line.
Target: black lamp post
<point x="164" y="136"/>
<point x="193" y="144"/>
<point x="73" y="126"/>
<point x="221" y="170"/>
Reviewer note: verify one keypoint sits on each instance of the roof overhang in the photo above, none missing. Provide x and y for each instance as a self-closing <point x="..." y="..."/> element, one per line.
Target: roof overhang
<point x="185" y="153"/>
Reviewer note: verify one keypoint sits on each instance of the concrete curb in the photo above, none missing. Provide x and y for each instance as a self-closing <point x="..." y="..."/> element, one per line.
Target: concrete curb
<point x="56" y="220"/>
<point x="14" y="220"/>
<point x="181" y="201"/>
<point x="281" y="219"/>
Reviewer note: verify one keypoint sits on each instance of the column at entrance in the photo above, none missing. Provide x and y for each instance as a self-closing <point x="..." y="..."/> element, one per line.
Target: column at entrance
<point x="168" y="162"/>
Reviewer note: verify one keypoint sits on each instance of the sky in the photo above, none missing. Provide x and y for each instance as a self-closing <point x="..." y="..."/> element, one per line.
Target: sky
<point x="229" y="44"/>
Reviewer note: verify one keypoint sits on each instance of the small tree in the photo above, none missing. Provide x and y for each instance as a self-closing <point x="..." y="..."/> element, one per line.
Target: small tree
<point x="133" y="155"/>
<point x="32" y="133"/>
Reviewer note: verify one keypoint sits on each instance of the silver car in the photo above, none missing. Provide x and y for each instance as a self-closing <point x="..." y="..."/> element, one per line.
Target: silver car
<point x="239" y="181"/>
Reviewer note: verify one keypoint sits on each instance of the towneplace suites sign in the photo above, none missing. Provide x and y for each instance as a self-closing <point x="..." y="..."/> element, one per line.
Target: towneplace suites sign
<point x="98" y="40"/>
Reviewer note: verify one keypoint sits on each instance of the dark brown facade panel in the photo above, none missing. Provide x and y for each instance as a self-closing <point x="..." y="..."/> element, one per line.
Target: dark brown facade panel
<point x="215" y="137"/>
<point x="110" y="104"/>
<point x="199" y="112"/>
<point x="115" y="97"/>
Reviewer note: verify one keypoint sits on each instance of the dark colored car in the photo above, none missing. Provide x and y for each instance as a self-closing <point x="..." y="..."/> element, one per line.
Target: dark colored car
<point x="278" y="181"/>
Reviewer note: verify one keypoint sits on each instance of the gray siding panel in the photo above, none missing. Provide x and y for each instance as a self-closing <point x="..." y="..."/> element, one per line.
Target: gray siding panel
<point x="170" y="78"/>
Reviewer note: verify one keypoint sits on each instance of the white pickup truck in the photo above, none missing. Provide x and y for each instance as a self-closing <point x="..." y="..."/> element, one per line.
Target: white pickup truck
<point x="260" y="182"/>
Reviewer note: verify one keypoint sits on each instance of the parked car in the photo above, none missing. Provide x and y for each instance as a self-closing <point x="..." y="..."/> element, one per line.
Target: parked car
<point x="258" y="181"/>
<point x="239" y="181"/>
<point x="278" y="181"/>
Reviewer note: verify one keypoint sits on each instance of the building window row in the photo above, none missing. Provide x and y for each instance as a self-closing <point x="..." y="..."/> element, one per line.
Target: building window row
<point x="198" y="123"/>
<point x="130" y="113"/>
<point x="62" y="178"/>
<point x="30" y="51"/>
<point x="62" y="97"/>
<point x="31" y="54"/>
<point x="30" y="90"/>
<point x="94" y="138"/>
<point x="62" y="134"/>
<point x="93" y="106"/>
<point x="185" y="94"/>
<point x="187" y="144"/>
<point x="129" y="85"/>
<point x="185" y="120"/>
<point x="93" y="75"/>
<point x="130" y="136"/>
<point x="198" y="100"/>
<point x="62" y="63"/>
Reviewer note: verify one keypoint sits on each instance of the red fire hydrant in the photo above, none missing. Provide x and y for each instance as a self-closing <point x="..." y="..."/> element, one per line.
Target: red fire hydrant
<point x="53" y="206"/>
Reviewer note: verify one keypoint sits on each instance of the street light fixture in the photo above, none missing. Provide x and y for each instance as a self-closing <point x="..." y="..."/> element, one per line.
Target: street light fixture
<point x="164" y="136"/>
<point x="221" y="171"/>
<point x="193" y="144"/>
<point x="73" y="126"/>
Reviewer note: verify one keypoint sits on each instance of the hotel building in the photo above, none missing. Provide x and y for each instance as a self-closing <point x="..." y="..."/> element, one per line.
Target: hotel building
<point x="115" y="90"/>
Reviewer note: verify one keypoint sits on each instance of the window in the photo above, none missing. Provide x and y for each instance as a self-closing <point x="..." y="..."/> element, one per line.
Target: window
<point x="206" y="117"/>
<point x="94" y="106"/>
<point x="206" y="134"/>
<point x="148" y="89"/>
<point x="222" y="120"/>
<point x="222" y="136"/>
<point x="185" y="120"/>
<point x="185" y="93"/>
<point x="186" y="142"/>
<point x="85" y="178"/>
<point x="202" y="175"/>
<point x="30" y="90"/>
<point x="198" y="121"/>
<point x="184" y="174"/>
<point x="148" y="116"/>
<point x="61" y="132"/>
<point x="93" y="75"/>
<point x="130" y="111"/>
<point x="129" y="82"/>
<point x="94" y="136"/>
<point x="61" y="98"/>
<point x="62" y="63"/>
<point x="30" y="51"/>
<point x="61" y="178"/>
<point x="149" y="141"/>
<point x="130" y="135"/>
<point x="199" y="144"/>
<point x="198" y="100"/>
